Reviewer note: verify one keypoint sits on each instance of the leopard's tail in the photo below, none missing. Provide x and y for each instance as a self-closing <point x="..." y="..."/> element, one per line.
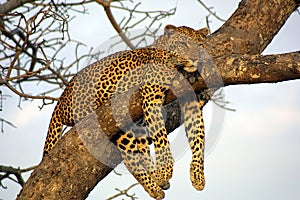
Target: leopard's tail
<point x="54" y="130"/>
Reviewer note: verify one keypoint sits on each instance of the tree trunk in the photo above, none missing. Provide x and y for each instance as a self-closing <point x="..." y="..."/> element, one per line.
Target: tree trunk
<point x="85" y="155"/>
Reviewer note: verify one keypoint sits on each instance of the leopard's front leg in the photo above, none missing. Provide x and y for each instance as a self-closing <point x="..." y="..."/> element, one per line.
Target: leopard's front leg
<point x="194" y="126"/>
<point x="153" y="98"/>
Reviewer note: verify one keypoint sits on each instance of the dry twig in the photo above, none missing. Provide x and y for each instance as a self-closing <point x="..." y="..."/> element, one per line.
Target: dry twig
<point x="124" y="192"/>
<point x="6" y="172"/>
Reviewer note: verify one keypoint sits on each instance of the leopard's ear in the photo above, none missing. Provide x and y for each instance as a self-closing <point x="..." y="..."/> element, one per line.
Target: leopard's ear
<point x="203" y="32"/>
<point x="170" y="30"/>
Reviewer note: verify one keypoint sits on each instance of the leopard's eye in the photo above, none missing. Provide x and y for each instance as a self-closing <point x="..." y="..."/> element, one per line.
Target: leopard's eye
<point x="183" y="44"/>
<point x="172" y="48"/>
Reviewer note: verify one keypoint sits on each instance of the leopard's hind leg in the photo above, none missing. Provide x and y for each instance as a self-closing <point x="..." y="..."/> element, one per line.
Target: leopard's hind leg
<point x="143" y="143"/>
<point x="133" y="159"/>
<point x="153" y="98"/>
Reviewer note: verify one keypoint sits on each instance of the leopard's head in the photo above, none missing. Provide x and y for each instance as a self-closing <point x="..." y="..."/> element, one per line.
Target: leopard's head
<point x="186" y="43"/>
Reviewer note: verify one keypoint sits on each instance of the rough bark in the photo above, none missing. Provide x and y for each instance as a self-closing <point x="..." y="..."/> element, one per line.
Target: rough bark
<point x="84" y="156"/>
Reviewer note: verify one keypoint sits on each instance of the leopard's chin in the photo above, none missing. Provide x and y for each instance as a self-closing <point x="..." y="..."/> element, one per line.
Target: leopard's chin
<point x="190" y="69"/>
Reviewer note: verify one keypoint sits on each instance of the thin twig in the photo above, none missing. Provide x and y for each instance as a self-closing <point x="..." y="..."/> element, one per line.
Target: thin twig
<point x="3" y="121"/>
<point x="117" y="173"/>
<point x="124" y="192"/>
<point x="27" y="95"/>
<point x="219" y="99"/>
<point x="106" y="6"/>
<point x="210" y="11"/>
<point x="27" y="74"/>
<point x="17" y="172"/>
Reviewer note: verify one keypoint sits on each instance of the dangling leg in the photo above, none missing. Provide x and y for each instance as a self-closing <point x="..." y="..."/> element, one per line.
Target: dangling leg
<point x="127" y="144"/>
<point x="153" y="98"/>
<point x="143" y="141"/>
<point x="194" y="126"/>
<point x="147" y="161"/>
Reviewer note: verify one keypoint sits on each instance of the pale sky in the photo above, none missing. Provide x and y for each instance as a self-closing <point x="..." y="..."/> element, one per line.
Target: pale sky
<point x="256" y="155"/>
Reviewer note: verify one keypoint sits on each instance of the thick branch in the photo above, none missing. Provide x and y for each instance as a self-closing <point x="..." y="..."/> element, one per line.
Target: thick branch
<point x="251" y="69"/>
<point x="251" y="27"/>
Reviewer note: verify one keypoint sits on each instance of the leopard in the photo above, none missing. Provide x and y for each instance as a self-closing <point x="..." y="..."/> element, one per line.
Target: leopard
<point x="152" y="71"/>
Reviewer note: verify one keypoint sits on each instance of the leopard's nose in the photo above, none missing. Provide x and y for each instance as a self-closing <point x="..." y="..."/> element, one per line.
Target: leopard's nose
<point x="195" y="62"/>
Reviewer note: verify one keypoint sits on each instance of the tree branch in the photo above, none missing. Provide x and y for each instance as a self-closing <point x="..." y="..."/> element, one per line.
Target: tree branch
<point x="210" y="11"/>
<point x="106" y="6"/>
<point x="17" y="172"/>
<point x="124" y="192"/>
<point x="31" y="40"/>
<point x="252" y="69"/>
<point x="3" y="121"/>
<point x="21" y="94"/>
<point x="251" y="27"/>
<point x="11" y="5"/>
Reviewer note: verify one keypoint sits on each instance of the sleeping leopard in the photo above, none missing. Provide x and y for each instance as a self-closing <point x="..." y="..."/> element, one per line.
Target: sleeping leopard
<point x="152" y="71"/>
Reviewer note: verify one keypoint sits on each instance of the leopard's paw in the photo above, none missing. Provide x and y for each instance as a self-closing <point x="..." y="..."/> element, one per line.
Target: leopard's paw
<point x="156" y="193"/>
<point x="162" y="175"/>
<point x="197" y="176"/>
<point x="150" y="186"/>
